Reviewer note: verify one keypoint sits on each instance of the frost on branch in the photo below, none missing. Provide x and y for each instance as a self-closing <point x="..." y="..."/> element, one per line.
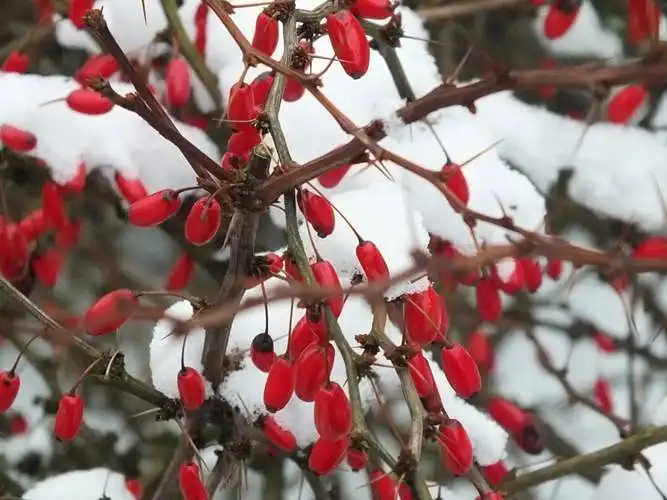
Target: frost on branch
<point x="81" y="485"/>
<point x="116" y="141"/>
<point x="166" y="349"/>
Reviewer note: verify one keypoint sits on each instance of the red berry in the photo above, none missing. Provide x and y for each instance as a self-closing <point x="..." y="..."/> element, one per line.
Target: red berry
<point x="241" y="106"/>
<point x="34" y="225"/>
<point x="372" y="261"/>
<point x="312" y="369"/>
<point x="326" y="276"/>
<point x="76" y="184"/>
<point x="265" y="266"/>
<point x="349" y="43"/>
<point x="135" y="487"/>
<point x="294" y="90"/>
<point x="454" y="179"/>
<point x="69" y="417"/>
<point x="179" y="86"/>
<point x="291" y="267"/>
<point x="45" y="11"/>
<point x="48" y="265"/>
<point x="230" y="161"/>
<point x="16" y="62"/>
<point x="54" y="204"/>
<point x="604" y="342"/>
<point x="279" y="386"/>
<point x="10" y="383"/>
<point x="97" y="66"/>
<point x="77" y="11"/>
<point x="531" y="272"/>
<point x="154" y="209"/>
<point x="643" y="20"/>
<point x="190" y="482"/>
<point x="461" y="370"/>
<point x="326" y="455"/>
<point x="106" y="315"/>
<point x="278" y="436"/>
<point x="130" y="189"/>
<point x="560" y="18"/>
<point x="191" y="388"/>
<point x="518" y="423"/>
<point x="421" y="374"/>
<point x="88" y="102"/>
<point x="180" y="273"/>
<point x="17" y="139"/>
<point x="201" y="18"/>
<point x="241" y="143"/>
<point x="262" y="353"/>
<point x="14" y="256"/>
<point x="304" y="333"/>
<point x="261" y="86"/>
<point x="332" y="178"/>
<point x="356" y="459"/>
<point x="333" y="412"/>
<point x="495" y="473"/>
<point x="456" y="447"/>
<point x="481" y="350"/>
<point x="489" y="304"/>
<point x="17" y="425"/>
<point x="653" y="247"/>
<point x="265" y="38"/>
<point x="554" y="268"/>
<point x="318" y="212"/>
<point x="68" y="235"/>
<point x="603" y="396"/>
<point x="623" y="105"/>
<point x="492" y="495"/>
<point x="423" y="316"/>
<point x="203" y="221"/>
<point x="372" y="9"/>
<point x="383" y="486"/>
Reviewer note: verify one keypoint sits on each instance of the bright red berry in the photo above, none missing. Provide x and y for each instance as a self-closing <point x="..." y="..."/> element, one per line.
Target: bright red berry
<point x="135" y="487"/>
<point x="356" y="459"/>
<point x="643" y="20"/>
<point x="604" y="342"/>
<point x="179" y="85"/>
<point x="603" y="396"/>
<point x="326" y="455"/>
<point x="262" y="352"/>
<point x="294" y="90"/>
<point x="203" y="221"/>
<point x="327" y="277"/>
<point x="130" y="189"/>
<point x="349" y="43"/>
<point x="180" y="274"/>
<point x="372" y="9"/>
<point x="260" y="87"/>
<point x="312" y="369"/>
<point x="278" y="436"/>
<point x="77" y="10"/>
<point x="191" y="388"/>
<point x="625" y="104"/>
<point x="461" y="370"/>
<point x="16" y="62"/>
<point x="34" y="225"/>
<point x="69" y="417"/>
<point x="318" y="212"/>
<point x="241" y="106"/>
<point x="495" y="473"/>
<point x="332" y="178"/>
<point x="279" y="386"/>
<point x="518" y="423"/>
<point x="154" y="209"/>
<point x="423" y="316"/>
<point x="54" y="204"/>
<point x="560" y="18"/>
<point x="47" y="266"/>
<point x="481" y="350"/>
<point x="454" y="179"/>
<point x="372" y="261"/>
<point x="304" y="333"/>
<point x="10" y="383"/>
<point x="383" y="486"/>
<point x="456" y="447"/>
<point x="190" y="482"/>
<point x="77" y="182"/>
<point x="333" y="412"/>
<point x="421" y="374"/>
<point x="489" y="304"/>
<point x="16" y="139"/>
<point x="554" y="268"/>
<point x="107" y="315"/>
<point x="265" y="38"/>
<point x="18" y="424"/>
<point x="653" y="247"/>
<point x="88" y="102"/>
<point x="97" y="66"/>
<point x="241" y="143"/>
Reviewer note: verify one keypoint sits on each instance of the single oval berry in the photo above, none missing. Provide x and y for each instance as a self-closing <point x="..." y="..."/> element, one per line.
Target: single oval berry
<point x="241" y="143"/>
<point x="34" y="225"/>
<point x="154" y="209"/>
<point x="383" y="486"/>
<point x="97" y="66"/>
<point x="326" y="276"/>
<point x="332" y="178"/>
<point x="643" y="18"/>
<point x="278" y="436"/>
<point x="421" y="374"/>
<point x="77" y="182"/>
<point x="356" y="459"/>
<point x="279" y="386"/>
<point x="262" y="352"/>
<point x="422" y="316"/>
<point x="603" y="396"/>
<point x="47" y="266"/>
<point x="495" y="473"/>
<point x="554" y="268"/>
<point x="560" y="18"/>
<point x="17" y="139"/>
<point x="69" y="417"/>
<point x="241" y="106"/>
<point x="18" y="425"/>
<point x="203" y="221"/>
<point x="294" y="90"/>
<point x="130" y="189"/>
<point x="333" y="412"/>
<point x="326" y="455"/>
<point x="106" y="315"/>
<point x="531" y="272"/>
<point x="518" y="423"/>
<point x="456" y="447"/>
<point x="318" y="212"/>
<point x="180" y="274"/>
<point x="349" y="43"/>
<point x="89" y="102"/>
<point x="190" y="482"/>
<point x="77" y="10"/>
<point x="10" y="383"/>
<point x="481" y="350"/>
<point x="135" y="487"/>
<point x="461" y="370"/>
<point x="261" y="86"/>
<point x="16" y="62"/>
<point x="454" y="179"/>
<point x="311" y="370"/>
<point x="372" y="261"/>
<point x="179" y="85"/>
<point x="53" y="204"/>
<point x="372" y="9"/>
<point x="624" y="105"/>
<point x="489" y="304"/>
<point x="265" y="38"/>
<point x="14" y="253"/>
<point x="305" y="333"/>
<point x="191" y="388"/>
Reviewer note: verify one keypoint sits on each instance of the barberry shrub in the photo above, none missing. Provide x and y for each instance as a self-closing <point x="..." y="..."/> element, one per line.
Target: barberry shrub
<point x="332" y="250"/>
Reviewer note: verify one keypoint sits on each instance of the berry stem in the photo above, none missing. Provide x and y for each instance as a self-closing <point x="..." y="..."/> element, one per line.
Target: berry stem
<point x="84" y="374"/>
<point x="22" y="352"/>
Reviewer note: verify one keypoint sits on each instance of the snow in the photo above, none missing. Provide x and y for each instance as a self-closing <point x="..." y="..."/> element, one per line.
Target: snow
<point x="81" y="485"/>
